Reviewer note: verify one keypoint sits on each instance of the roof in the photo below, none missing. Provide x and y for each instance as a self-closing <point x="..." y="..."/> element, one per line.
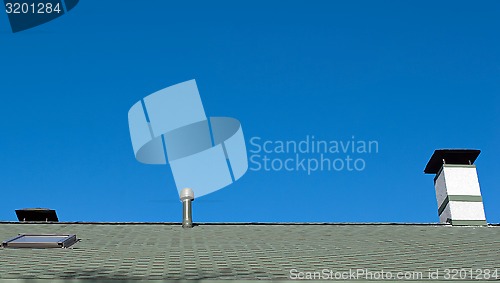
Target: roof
<point x="137" y="251"/>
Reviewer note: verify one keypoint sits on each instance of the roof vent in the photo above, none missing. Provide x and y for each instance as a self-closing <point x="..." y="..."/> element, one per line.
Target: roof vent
<point x="37" y="214"/>
<point x="457" y="187"/>
<point x="187" y="196"/>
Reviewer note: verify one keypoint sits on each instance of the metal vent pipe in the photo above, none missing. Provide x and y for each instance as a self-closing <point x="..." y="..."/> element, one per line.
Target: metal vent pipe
<point x="187" y="196"/>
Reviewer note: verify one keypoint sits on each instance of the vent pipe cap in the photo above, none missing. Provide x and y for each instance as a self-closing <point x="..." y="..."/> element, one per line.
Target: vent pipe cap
<point x="187" y="193"/>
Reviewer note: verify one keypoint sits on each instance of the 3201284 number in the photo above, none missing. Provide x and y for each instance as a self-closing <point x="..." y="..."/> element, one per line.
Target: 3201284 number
<point x="32" y="8"/>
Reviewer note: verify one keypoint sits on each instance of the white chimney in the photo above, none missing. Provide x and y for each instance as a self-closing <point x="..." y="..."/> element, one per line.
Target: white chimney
<point x="457" y="186"/>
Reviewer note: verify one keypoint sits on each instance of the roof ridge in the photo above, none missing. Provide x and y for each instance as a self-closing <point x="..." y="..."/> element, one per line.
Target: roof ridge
<point x="244" y="223"/>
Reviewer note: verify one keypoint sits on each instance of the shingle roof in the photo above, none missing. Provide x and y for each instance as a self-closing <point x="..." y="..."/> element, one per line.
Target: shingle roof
<point x="137" y="251"/>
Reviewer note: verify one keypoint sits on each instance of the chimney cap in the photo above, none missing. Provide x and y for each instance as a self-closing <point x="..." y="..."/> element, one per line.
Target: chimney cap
<point x="450" y="156"/>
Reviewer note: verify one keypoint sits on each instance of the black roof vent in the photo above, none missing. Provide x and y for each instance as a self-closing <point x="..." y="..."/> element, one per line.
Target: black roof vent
<point x="37" y="214"/>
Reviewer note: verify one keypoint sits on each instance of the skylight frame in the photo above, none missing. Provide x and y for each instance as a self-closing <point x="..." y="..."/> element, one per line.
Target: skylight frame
<point x="65" y="241"/>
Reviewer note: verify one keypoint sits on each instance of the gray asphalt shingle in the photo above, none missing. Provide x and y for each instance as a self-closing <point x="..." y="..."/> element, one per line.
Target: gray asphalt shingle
<point x="246" y="251"/>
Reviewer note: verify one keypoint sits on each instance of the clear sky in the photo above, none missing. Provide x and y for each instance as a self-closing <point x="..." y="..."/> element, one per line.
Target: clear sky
<point x="412" y="76"/>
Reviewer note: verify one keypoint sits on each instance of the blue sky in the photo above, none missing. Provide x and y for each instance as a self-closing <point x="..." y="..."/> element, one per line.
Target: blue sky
<point x="412" y="76"/>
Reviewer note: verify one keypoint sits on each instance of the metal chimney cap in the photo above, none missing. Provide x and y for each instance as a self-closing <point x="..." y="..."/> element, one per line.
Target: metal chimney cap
<point x="187" y="193"/>
<point x="450" y="156"/>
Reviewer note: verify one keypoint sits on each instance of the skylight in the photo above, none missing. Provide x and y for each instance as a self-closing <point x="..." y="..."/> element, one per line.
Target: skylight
<point x="40" y="241"/>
